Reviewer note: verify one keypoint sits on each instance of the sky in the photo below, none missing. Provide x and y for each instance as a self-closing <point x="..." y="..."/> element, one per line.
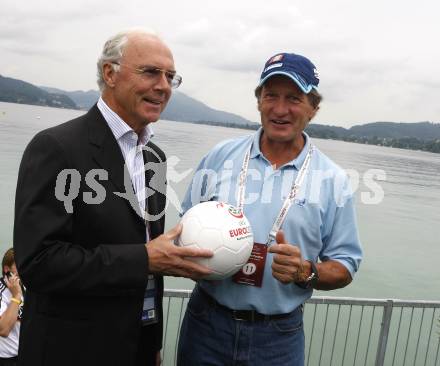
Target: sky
<point x="378" y="60"/>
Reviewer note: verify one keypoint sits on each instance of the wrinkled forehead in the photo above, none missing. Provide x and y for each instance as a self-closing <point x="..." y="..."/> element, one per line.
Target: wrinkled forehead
<point x="146" y="49"/>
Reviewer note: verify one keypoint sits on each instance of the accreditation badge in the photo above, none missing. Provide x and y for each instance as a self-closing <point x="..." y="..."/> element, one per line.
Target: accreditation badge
<point x="252" y="272"/>
<point x="149" y="311"/>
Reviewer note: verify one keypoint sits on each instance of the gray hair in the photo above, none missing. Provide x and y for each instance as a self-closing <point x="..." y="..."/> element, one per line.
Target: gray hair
<point x="114" y="49"/>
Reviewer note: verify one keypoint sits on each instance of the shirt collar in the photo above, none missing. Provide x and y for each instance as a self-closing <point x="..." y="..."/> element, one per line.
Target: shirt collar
<point x="297" y="162"/>
<point x="120" y="128"/>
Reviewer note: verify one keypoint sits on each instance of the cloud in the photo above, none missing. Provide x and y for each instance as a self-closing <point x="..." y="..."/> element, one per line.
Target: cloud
<point x="376" y="60"/>
<point x="243" y="40"/>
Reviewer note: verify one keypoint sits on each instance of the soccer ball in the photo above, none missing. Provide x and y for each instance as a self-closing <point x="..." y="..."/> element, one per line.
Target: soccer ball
<point x="222" y="228"/>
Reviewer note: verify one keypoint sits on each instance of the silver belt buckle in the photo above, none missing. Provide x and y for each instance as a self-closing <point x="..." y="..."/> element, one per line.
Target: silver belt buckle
<point x="236" y="316"/>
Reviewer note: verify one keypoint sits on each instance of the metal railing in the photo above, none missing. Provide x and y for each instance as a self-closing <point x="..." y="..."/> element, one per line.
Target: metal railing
<point x="343" y="331"/>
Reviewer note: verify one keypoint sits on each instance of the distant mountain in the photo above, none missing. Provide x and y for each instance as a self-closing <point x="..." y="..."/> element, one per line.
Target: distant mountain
<point x="181" y="108"/>
<point x="186" y="109"/>
<point x="419" y="136"/>
<point x="420" y="130"/>
<point x="326" y="131"/>
<point x="416" y="136"/>
<point x="18" y="91"/>
<point x="425" y="131"/>
<point x="83" y="99"/>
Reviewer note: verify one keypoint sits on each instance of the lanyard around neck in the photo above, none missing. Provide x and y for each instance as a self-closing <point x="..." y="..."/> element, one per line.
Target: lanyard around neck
<point x="289" y="199"/>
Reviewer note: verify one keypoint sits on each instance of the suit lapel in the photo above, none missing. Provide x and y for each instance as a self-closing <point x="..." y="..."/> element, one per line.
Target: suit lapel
<point x="107" y="154"/>
<point x="155" y="182"/>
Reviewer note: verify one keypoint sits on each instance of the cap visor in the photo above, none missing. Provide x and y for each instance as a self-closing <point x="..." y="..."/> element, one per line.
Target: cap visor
<point x="306" y="88"/>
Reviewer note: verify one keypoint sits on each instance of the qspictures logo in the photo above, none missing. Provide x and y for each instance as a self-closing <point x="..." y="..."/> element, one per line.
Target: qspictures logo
<point x="71" y="185"/>
<point x="68" y="185"/>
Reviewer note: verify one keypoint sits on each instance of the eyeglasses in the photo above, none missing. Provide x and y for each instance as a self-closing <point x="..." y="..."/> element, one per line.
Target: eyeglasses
<point x="154" y="73"/>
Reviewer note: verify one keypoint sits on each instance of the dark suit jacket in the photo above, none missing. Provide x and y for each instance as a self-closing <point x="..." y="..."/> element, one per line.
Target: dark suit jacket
<point x="86" y="271"/>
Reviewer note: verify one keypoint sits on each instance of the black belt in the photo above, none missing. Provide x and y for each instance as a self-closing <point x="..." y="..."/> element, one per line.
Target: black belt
<point x="241" y="315"/>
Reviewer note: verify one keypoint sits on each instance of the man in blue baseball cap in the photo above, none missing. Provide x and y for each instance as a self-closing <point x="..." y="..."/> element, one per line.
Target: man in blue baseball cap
<point x="302" y="215"/>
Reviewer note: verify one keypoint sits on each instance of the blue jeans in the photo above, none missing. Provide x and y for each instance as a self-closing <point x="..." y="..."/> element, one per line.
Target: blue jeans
<point x="210" y="336"/>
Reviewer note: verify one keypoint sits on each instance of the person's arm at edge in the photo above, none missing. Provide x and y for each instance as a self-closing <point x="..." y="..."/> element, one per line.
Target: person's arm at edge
<point x="8" y="318"/>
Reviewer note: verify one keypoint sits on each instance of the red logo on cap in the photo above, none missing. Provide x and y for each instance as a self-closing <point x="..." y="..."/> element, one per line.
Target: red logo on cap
<point x="276" y="59"/>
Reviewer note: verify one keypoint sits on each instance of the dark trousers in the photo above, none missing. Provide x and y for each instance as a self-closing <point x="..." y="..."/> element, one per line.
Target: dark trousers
<point x="8" y="361"/>
<point x="211" y="336"/>
<point x="146" y="356"/>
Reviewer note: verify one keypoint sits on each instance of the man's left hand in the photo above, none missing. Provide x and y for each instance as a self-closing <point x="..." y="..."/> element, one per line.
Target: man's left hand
<point x="287" y="263"/>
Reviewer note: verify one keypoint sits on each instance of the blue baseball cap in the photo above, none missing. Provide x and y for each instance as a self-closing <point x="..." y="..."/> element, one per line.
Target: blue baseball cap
<point x="298" y="68"/>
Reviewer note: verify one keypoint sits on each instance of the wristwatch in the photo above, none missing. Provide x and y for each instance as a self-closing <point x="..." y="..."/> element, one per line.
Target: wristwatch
<point x="310" y="281"/>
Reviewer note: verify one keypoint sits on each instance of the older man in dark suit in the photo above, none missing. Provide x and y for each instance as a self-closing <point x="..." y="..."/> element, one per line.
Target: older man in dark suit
<point x="88" y="225"/>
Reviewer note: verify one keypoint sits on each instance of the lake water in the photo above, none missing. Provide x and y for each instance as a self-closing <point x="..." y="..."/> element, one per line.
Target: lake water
<point x="402" y="248"/>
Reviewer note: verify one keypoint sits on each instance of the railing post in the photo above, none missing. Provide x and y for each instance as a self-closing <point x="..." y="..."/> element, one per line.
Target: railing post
<point x="384" y="331"/>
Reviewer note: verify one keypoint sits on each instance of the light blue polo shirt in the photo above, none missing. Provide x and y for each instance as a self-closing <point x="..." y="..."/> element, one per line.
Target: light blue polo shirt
<point x="321" y="221"/>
